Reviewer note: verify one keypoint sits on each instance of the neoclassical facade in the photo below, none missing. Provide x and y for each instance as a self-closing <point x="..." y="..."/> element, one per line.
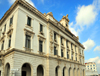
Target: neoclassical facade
<point x="36" y="44"/>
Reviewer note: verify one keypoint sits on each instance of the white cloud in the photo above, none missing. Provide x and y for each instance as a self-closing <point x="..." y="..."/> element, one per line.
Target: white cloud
<point x="29" y="1"/>
<point x="97" y="48"/>
<point x="86" y="15"/>
<point x="96" y="60"/>
<point x="73" y="29"/>
<point x="89" y="44"/>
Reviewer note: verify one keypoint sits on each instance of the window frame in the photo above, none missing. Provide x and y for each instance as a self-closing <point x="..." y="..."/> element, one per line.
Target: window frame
<point x="29" y="20"/>
<point x="28" y="41"/>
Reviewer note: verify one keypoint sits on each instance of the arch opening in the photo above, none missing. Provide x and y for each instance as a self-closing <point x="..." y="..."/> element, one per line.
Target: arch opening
<point x="26" y="70"/>
<point x="69" y="72"/>
<point x="64" y="71"/>
<point x="56" y="71"/>
<point x="40" y="71"/>
<point x="7" y="69"/>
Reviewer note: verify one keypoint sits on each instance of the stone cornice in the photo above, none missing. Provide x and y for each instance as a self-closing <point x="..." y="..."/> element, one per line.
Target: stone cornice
<point x="42" y="16"/>
<point x="44" y="56"/>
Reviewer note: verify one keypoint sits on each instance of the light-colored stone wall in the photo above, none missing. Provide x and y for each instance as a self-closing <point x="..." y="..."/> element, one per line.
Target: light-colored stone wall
<point x="16" y="58"/>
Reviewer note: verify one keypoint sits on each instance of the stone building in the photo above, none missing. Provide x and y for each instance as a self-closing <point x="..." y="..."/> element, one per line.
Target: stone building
<point x="36" y="44"/>
<point x="91" y="69"/>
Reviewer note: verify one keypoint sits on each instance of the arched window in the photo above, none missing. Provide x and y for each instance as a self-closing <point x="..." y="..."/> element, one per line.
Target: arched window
<point x="40" y="71"/>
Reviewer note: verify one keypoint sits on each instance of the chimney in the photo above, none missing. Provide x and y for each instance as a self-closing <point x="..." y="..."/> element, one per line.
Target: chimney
<point x="64" y="21"/>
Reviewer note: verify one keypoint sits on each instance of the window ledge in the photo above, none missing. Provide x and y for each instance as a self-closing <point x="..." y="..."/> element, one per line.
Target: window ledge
<point x="30" y="27"/>
<point x="41" y="53"/>
<point x="28" y="49"/>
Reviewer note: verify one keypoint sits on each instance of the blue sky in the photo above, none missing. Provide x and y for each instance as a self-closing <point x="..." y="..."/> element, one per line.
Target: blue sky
<point x="84" y="16"/>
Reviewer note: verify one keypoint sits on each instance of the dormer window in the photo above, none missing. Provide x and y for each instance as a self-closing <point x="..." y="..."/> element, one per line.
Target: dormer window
<point x="29" y="21"/>
<point x="11" y="21"/>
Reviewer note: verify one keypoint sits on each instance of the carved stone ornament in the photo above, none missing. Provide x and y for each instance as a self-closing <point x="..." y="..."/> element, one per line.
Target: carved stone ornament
<point x="51" y="47"/>
<point x="10" y="32"/>
<point x="28" y="32"/>
<point x="2" y="38"/>
<point x="51" y="35"/>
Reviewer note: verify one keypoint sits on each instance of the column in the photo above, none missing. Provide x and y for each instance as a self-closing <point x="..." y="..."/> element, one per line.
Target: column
<point x="74" y="52"/>
<point x="69" y="44"/>
<point x="77" y="53"/>
<point x="65" y="51"/>
<point x="59" y="48"/>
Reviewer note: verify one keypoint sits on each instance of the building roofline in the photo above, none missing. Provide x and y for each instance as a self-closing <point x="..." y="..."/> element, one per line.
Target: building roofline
<point x="39" y="14"/>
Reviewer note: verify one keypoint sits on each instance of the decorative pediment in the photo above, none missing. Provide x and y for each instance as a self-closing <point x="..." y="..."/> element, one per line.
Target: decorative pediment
<point x="2" y="38"/>
<point x="10" y="31"/>
<point x="28" y="32"/>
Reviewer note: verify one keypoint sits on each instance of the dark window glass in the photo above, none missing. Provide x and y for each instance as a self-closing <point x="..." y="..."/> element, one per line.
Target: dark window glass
<point x="54" y="36"/>
<point x="28" y="41"/>
<point x="5" y="28"/>
<point x="40" y="46"/>
<point x="9" y="41"/>
<point x="66" y="43"/>
<point x="75" y="48"/>
<point x="11" y="21"/>
<point x="62" y="53"/>
<point x="55" y="51"/>
<point x="66" y="24"/>
<point x="61" y="40"/>
<point x="29" y="21"/>
<point x="2" y="45"/>
<point x="67" y="55"/>
<point x="41" y="28"/>
<point x="72" y="55"/>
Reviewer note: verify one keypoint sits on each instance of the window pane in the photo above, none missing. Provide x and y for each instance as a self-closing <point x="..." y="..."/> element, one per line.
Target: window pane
<point x="55" y="51"/>
<point x="28" y="41"/>
<point x="40" y="46"/>
<point x="11" y="21"/>
<point x="29" y="21"/>
<point x="61" y="52"/>
<point x="54" y="36"/>
<point x="41" y="27"/>
<point x="9" y="41"/>
<point x="5" y="28"/>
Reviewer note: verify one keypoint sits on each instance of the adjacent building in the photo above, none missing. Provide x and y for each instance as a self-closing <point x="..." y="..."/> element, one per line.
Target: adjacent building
<point x="36" y="44"/>
<point x="91" y="69"/>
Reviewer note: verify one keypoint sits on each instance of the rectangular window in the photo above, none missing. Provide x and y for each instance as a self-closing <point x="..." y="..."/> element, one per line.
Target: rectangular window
<point x="41" y="28"/>
<point x="5" y="28"/>
<point x="61" y="41"/>
<point x="54" y="36"/>
<point x="28" y="41"/>
<point x="66" y="43"/>
<point x="40" y="46"/>
<point x="67" y="55"/>
<point x="72" y="55"/>
<point x="75" y="48"/>
<point x="29" y="21"/>
<point x="62" y="53"/>
<point x="9" y="41"/>
<point x="11" y="21"/>
<point x="2" y="47"/>
<point x="55" y="51"/>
